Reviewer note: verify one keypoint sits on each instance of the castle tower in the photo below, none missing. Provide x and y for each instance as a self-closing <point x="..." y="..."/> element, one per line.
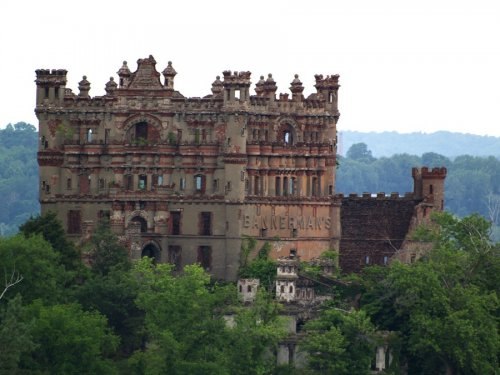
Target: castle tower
<point x="236" y="98"/>
<point x="328" y="88"/>
<point x="429" y="185"/>
<point x="50" y="86"/>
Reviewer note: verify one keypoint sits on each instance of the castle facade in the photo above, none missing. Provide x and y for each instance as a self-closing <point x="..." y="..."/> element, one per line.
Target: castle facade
<point x="184" y="180"/>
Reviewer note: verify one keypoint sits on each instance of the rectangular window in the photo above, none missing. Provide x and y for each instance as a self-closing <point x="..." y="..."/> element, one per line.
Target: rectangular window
<point x="314" y="186"/>
<point x="205" y="223"/>
<point x="84" y="184"/>
<point x="256" y="186"/>
<point x="74" y="222"/>
<point x="205" y="257"/>
<point x="129" y="182"/>
<point x="285" y="186"/>
<point x="69" y="184"/>
<point x="215" y="184"/>
<point x="182" y="183"/>
<point x="102" y="183"/>
<point x="159" y="181"/>
<point x="143" y="182"/>
<point x="199" y="183"/>
<point x="174" y="257"/>
<point x="175" y="223"/>
<point x="277" y="186"/>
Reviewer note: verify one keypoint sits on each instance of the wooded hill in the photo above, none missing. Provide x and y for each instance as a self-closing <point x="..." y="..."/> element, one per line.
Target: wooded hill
<point x="445" y="143"/>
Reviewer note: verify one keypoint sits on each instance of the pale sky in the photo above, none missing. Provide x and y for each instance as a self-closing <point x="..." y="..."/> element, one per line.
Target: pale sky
<point x="404" y="66"/>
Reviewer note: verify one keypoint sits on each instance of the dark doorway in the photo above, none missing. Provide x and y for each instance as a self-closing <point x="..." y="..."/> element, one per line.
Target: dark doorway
<point x="151" y="251"/>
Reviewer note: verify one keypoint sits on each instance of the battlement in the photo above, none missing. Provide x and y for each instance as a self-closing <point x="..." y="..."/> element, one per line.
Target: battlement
<point x="328" y="82"/>
<point x="51" y="77"/>
<point x="425" y="172"/>
<point x="240" y="78"/>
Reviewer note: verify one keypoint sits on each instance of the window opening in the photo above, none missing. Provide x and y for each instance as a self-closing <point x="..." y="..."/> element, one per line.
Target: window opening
<point x="175" y="223"/>
<point x="142" y="222"/>
<point x="205" y="223"/>
<point x="174" y="257"/>
<point x="205" y="257"/>
<point x="141" y="131"/>
<point x="74" y="222"/>
<point x="143" y="182"/>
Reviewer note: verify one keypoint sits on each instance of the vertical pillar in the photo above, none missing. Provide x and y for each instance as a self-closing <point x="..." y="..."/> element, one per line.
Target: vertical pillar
<point x="271" y="177"/>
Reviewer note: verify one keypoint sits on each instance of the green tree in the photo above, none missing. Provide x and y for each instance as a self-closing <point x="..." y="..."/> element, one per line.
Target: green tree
<point x="68" y="341"/>
<point x="445" y="306"/>
<point x="256" y="330"/>
<point x="261" y="267"/>
<point x="114" y="295"/>
<point x="37" y="263"/>
<point x="106" y="252"/>
<point x="183" y="320"/>
<point x="340" y="342"/>
<point x="50" y="227"/>
<point x="360" y="152"/>
<point x="15" y="336"/>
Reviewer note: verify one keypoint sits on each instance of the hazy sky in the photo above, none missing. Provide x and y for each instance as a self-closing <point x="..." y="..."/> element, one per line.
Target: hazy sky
<point x="407" y="66"/>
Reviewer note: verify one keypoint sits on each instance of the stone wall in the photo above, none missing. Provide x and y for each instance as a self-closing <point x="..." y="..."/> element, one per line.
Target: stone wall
<point x="373" y="229"/>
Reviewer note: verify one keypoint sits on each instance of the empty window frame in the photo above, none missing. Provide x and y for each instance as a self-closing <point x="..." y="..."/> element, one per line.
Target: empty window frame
<point x="74" y="222"/>
<point x="205" y="257"/>
<point x="205" y="224"/>
<point x="175" y="223"/>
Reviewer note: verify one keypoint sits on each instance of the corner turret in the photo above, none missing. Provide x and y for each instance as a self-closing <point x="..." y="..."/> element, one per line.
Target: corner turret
<point x="429" y="185"/>
<point x="50" y="85"/>
<point x="328" y="87"/>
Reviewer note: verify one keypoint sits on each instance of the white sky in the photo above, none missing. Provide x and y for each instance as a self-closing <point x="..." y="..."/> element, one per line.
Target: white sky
<point x="407" y="66"/>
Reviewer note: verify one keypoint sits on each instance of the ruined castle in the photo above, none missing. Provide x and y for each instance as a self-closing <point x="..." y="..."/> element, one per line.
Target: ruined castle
<point x="183" y="180"/>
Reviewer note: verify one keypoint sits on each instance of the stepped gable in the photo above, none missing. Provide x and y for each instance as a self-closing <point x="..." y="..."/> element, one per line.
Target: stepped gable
<point x="373" y="228"/>
<point x="146" y="76"/>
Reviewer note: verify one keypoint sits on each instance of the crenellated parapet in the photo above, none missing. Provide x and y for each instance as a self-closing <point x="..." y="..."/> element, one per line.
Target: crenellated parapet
<point x="425" y="172"/>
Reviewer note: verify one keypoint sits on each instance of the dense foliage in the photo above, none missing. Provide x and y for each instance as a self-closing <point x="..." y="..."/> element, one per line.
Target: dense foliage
<point x="58" y="316"/>
<point x="436" y="315"/>
<point x="18" y="176"/>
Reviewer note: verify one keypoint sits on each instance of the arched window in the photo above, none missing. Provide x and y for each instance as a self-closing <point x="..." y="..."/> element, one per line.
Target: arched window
<point x="199" y="183"/>
<point x="142" y="222"/>
<point x="89" y="135"/>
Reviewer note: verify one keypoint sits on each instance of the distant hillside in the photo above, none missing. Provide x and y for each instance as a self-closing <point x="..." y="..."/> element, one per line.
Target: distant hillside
<point x="445" y="143"/>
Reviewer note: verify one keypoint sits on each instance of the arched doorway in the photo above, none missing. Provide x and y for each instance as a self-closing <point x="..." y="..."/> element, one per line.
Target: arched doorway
<point x="151" y="251"/>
